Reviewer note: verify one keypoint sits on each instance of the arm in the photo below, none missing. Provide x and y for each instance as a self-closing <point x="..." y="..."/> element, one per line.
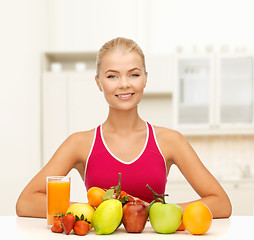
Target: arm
<point x="202" y="181"/>
<point x="71" y="154"/>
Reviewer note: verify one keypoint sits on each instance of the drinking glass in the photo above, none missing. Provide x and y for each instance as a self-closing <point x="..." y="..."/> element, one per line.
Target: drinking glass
<point x="58" y="196"/>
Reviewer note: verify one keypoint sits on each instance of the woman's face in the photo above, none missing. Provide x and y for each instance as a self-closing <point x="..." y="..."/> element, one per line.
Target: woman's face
<point x="122" y="79"/>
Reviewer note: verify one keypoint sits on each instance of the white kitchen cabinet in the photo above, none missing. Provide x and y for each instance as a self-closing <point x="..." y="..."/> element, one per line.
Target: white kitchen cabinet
<point x="160" y="75"/>
<point x="87" y="107"/>
<point x="180" y="192"/>
<point x="54" y="112"/>
<point x="241" y="196"/>
<point x="89" y="24"/>
<point x="235" y="89"/>
<point x="213" y="94"/>
<point x="193" y="93"/>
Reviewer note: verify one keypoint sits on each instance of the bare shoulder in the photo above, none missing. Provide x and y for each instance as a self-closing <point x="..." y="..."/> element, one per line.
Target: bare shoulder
<point x="169" y="140"/>
<point x="168" y="135"/>
<point x="82" y="141"/>
<point x="82" y="137"/>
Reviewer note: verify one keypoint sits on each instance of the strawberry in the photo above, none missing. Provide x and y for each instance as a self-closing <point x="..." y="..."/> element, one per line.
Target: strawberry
<point x="57" y="226"/>
<point x="81" y="226"/>
<point x="58" y="216"/>
<point x="68" y="222"/>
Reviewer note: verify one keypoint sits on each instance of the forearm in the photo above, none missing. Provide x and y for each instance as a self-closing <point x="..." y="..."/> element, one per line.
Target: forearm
<point x="219" y="206"/>
<point x="32" y="206"/>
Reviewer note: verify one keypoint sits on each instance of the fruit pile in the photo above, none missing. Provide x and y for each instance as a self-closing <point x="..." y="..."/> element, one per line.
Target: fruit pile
<point x="107" y="209"/>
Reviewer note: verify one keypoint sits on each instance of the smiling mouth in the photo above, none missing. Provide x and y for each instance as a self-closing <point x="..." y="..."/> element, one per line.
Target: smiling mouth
<point x="124" y="96"/>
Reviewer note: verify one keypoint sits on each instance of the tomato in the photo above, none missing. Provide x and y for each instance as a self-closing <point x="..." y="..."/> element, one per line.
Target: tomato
<point x="123" y="193"/>
<point x="181" y="227"/>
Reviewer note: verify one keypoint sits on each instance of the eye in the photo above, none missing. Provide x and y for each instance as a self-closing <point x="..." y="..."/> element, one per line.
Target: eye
<point x="134" y="75"/>
<point x="111" y="76"/>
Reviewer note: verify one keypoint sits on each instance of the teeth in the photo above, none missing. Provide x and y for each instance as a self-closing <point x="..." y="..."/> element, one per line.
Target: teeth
<point x="126" y="95"/>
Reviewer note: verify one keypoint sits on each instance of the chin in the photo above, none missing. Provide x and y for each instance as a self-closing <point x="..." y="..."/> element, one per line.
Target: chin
<point x="125" y="105"/>
<point x="124" y="108"/>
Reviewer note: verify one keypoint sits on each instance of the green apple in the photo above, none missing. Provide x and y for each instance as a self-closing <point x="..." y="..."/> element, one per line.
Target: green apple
<point x="165" y="217"/>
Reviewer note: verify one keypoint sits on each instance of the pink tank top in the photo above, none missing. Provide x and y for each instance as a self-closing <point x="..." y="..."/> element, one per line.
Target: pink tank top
<point x="149" y="167"/>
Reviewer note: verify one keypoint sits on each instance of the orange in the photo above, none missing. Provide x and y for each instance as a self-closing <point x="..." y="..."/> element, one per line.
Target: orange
<point x="197" y="218"/>
<point x="94" y="196"/>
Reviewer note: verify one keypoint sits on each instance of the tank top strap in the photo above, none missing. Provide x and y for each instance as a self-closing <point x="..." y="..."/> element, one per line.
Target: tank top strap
<point x="98" y="144"/>
<point x="152" y="144"/>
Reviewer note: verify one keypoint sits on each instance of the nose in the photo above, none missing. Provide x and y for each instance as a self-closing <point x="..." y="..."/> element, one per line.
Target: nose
<point x="124" y="82"/>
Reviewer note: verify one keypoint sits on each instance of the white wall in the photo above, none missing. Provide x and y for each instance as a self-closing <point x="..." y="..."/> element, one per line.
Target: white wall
<point x="158" y="26"/>
<point x="23" y="37"/>
<point x="86" y="25"/>
<point x="200" y="23"/>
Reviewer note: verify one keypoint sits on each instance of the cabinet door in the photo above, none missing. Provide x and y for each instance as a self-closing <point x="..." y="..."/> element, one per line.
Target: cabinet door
<point x="87" y="107"/>
<point x="159" y="70"/>
<point x="54" y="112"/>
<point x="236" y="90"/>
<point x="194" y="77"/>
<point x="241" y="197"/>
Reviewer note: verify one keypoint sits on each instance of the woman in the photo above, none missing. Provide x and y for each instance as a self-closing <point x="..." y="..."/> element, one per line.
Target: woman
<point x="125" y="143"/>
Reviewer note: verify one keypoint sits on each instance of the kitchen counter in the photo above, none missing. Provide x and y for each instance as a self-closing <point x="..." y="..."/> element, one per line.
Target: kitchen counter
<point x="224" y="180"/>
<point x="36" y="228"/>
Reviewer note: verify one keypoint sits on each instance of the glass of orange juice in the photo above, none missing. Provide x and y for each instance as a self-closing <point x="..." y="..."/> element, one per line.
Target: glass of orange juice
<point x="58" y="196"/>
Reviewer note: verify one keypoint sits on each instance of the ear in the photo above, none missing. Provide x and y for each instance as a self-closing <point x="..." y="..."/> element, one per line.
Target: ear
<point x="98" y="83"/>
<point x="146" y="75"/>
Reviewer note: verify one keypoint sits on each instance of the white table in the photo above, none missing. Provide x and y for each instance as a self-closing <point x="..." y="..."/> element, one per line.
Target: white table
<point x="36" y="228"/>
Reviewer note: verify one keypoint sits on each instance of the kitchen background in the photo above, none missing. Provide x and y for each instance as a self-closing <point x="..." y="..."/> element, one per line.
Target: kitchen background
<point x="199" y="56"/>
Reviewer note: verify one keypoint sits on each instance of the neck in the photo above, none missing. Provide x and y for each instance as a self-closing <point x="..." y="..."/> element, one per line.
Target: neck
<point x="123" y="121"/>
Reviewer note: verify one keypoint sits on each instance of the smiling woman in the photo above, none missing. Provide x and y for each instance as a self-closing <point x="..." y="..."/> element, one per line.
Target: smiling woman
<point x="125" y="143"/>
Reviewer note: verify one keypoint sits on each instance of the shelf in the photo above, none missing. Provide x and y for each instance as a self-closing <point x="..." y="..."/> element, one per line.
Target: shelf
<point x="82" y="73"/>
<point x="224" y="180"/>
<point x="71" y="56"/>
<point x="219" y="132"/>
<point x="157" y="95"/>
<point x="68" y="60"/>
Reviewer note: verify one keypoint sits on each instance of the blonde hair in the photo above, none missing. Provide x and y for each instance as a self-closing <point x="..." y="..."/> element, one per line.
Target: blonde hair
<point x="124" y="44"/>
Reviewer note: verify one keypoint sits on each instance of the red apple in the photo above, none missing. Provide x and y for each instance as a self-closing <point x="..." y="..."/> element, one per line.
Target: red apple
<point x="135" y="215"/>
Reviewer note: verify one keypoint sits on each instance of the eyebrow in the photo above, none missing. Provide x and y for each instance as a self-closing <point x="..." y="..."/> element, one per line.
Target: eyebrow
<point x="111" y="70"/>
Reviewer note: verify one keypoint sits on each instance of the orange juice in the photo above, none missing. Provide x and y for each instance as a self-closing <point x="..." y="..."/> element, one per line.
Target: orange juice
<point x="58" y="197"/>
